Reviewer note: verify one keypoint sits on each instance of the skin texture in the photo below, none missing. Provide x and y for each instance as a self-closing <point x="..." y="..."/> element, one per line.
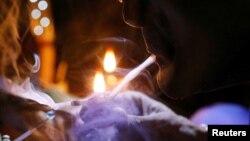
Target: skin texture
<point x="133" y="116"/>
<point x="200" y="45"/>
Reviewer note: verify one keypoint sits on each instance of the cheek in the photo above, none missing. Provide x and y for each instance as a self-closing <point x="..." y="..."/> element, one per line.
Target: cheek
<point x="134" y="12"/>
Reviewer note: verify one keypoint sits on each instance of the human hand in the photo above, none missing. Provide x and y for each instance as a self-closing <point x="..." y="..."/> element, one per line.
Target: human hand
<point x="133" y="116"/>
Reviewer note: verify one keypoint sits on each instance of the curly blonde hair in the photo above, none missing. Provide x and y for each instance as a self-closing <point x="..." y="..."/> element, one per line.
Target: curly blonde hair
<point x="10" y="47"/>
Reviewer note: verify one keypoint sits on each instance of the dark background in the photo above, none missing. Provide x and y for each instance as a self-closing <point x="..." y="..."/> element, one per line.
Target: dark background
<point x="78" y="24"/>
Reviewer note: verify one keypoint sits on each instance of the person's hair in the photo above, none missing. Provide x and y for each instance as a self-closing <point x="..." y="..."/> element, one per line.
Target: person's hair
<point x="12" y="63"/>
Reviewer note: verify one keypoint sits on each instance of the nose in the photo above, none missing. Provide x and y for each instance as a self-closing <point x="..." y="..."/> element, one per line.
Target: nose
<point x="134" y="12"/>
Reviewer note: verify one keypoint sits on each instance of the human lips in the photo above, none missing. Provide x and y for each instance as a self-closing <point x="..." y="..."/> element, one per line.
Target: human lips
<point x="163" y="56"/>
<point x="161" y="60"/>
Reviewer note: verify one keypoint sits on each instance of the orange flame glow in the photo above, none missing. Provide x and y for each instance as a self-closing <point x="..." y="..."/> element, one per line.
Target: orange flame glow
<point x="99" y="82"/>
<point x="109" y="62"/>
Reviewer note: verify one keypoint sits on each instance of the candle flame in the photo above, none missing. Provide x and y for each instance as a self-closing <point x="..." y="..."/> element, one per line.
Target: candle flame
<point x="109" y="62"/>
<point x="99" y="83"/>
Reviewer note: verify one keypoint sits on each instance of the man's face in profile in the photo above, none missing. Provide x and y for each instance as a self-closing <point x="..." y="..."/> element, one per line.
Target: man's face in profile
<point x="193" y="40"/>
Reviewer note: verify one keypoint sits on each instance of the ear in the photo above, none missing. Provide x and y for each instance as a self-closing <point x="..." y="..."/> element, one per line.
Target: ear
<point x="134" y="12"/>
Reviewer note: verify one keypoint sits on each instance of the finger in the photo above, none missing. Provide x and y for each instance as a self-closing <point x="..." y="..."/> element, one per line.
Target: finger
<point x="147" y="104"/>
<point x="170" y="127"/>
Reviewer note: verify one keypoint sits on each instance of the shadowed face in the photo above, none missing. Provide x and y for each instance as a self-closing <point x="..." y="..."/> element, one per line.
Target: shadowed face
<point x="195" y="41"/>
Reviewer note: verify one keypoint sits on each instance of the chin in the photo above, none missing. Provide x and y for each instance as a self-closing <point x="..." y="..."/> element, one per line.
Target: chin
<point x="164" y="77"/>
<point x="172" y="86"/>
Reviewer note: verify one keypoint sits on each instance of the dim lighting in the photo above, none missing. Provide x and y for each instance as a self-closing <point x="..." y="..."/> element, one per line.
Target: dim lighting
<point x="33" y="1"/>
<point x="109" y="61"/>
<point x="99" y="83"/>
<point x="38" y="30"/>
<point x="42" y="5"/>
<point x="35" y="13"/>
<point x="111" y="80"/>
<point x="45" y="22"/>
<point x="121" y="1"/>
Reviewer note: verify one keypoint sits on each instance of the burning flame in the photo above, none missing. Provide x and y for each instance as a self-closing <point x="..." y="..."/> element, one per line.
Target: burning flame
<point x="99" y="83"/>
<point x="109" y="61"/>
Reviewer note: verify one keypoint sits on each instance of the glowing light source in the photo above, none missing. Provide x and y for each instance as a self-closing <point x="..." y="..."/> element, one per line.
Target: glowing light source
<point x="99" y="83"/>
<point x="42" y="5"/>
<point x="38" y="30"/>
<point x="33" y="1"/>
<point x="111" y="80"/>
<point x="45" y="21"/>
<point x="109" y="62"/>
<point x="35" y="13"/>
